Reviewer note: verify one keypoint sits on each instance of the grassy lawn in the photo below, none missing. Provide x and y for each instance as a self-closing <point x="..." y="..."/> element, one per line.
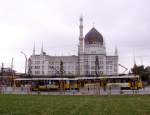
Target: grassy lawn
<point x="74" y="105"/>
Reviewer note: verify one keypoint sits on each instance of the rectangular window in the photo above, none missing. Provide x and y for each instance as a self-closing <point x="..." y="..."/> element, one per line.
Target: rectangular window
<point x="110" y="67"/>
<point x="37" y="67"/>
<point x="101" y="62"/>
<point x="37" y="72"/>
<point x="101" y="67"/>
<point x="37" y="62"/>
<point x="109" y="62"/>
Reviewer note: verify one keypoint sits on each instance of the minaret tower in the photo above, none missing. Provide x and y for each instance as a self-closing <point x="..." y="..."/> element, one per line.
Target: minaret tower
<point x="81" y="48"/>
<point x="116" y="60"/>
<point x="81" y="35"/>
<point x="81" y="28"/>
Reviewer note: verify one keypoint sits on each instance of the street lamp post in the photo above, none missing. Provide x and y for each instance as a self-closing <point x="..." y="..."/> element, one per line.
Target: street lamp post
<point x="25" y="61"/>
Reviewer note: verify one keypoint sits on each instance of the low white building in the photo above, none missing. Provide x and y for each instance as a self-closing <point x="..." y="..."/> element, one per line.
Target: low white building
<point x="50" y="65"/>
<point x="92" y="59"/>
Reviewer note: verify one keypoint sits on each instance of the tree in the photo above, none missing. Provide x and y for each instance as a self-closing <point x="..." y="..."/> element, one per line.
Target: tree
<point x="97" y="66"/>
<point x="61" y="69"/>
<point x="144" y="73"/>
<point x="137" y="69"/>
<point x="61" y="75"/>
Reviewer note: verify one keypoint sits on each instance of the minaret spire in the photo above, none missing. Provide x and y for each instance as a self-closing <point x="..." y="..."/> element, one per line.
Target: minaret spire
<point x="42" y="49"/>
<point x="81" y="38"/>
<point x="34" y="49"/>
<point x="81" y="28"/>
<point x="116" y="51"/>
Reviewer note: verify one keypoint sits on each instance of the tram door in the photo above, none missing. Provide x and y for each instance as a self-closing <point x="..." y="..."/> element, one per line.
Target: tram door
<point x="67" y="85"/>
<point x="133" y="84"/>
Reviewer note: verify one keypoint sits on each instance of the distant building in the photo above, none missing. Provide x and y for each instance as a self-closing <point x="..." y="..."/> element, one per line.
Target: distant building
<point x="92" y="59"/>
<point x="7" y="71"/>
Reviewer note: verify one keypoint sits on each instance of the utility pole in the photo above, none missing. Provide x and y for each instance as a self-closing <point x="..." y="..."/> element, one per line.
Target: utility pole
<point x="12" y="72"/>
<point x="29" y="67"/>
<point x="96" y="71"/>
<point x="96" y="66"/>
<point x="61" y="68"/>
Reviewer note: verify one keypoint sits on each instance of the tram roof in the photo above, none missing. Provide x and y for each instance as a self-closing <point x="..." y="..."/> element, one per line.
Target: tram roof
<point x="78" y="78"/>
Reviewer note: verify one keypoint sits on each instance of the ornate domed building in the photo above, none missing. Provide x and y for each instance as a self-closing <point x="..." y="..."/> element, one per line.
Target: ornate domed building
<point x="92" y="47"/>
<point x="92" y="59"/>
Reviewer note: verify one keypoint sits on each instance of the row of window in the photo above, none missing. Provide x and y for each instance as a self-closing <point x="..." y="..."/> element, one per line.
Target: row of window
<point x="89" y="58"/>
<point x="37" y="67"/>
<point x="93" y="67"/>
<point x="37" y="62"/>
<point x="93" y="62"/>
<point x="73" y="67"/>
<point x="66" y="72"/>
<point x="64" y="67"/>
<point x="36" y="72"/>
<point x="52" y="72"/>
<point x="69" y="72"/>
<point x="93" y="72"/>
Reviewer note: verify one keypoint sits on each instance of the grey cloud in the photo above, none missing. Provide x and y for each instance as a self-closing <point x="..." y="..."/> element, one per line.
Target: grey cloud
<point x="124" y="23"/>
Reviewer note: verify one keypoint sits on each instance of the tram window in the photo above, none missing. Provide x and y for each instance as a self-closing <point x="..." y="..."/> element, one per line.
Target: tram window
<point x="127" y="80"/>
<point x="114" y="81"/>
<point x="117" y="80"/>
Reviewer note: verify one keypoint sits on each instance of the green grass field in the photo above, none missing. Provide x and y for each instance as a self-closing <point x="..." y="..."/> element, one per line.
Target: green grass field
<point x="74" y="105"/>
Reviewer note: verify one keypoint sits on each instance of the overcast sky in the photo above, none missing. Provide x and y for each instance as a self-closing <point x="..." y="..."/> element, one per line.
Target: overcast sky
<point x="123" y="23"/>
